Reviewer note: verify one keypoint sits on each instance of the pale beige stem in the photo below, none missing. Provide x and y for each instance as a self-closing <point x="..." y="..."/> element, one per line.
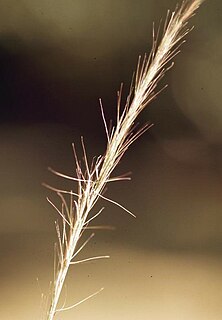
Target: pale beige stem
<point x="93" y="179"/>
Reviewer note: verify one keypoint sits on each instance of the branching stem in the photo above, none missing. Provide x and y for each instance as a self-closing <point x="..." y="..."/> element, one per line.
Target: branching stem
<point x="92" y="178"/>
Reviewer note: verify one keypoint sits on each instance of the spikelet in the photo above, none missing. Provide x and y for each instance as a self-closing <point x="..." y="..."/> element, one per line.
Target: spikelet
<point x="92" y="178"/>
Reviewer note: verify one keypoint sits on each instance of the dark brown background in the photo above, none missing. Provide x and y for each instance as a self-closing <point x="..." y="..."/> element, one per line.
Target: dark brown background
<point x="56" y="59"/>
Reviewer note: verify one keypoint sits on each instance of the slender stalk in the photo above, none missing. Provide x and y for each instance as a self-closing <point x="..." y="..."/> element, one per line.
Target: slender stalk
<point x="92" y="178"/>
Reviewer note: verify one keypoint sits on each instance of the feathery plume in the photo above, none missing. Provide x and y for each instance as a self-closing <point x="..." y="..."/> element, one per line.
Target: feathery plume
<point x="92" y="178"/>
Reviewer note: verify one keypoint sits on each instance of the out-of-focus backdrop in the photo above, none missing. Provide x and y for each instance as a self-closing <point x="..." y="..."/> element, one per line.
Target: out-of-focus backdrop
<point x="57" y="58"/>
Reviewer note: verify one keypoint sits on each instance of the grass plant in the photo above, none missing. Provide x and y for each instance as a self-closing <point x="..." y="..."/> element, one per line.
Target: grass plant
<point x="92" y="177"/>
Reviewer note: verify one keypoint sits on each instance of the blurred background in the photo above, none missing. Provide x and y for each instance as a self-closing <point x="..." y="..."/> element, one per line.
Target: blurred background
<point x="57" y="58"/>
